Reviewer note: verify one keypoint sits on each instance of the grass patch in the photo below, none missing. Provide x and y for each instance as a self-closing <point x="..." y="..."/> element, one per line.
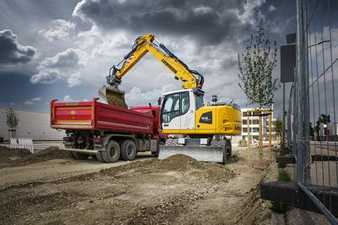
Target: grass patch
<point x="283" y="175"/>
<point x="280" y="207"/>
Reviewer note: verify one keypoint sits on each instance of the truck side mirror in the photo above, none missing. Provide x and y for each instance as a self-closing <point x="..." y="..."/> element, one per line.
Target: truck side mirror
<point x="159" y="100"/>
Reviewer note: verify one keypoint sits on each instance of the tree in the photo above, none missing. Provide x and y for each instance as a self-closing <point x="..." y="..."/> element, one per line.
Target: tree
<point x="12" y="121"/>
<point x="279" y="128"/>
<point x="256" y="64"/>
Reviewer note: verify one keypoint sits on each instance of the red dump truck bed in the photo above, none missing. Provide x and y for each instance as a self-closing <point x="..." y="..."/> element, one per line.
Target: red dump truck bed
<point x="93" y="115"/>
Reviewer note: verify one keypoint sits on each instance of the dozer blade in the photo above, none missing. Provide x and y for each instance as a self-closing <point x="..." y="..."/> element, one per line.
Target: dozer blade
<point x="200" y="153"/>
<point x="113" y="96"/>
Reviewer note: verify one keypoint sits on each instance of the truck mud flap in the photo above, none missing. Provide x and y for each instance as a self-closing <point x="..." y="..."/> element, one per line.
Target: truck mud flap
<point x="199" y="153"/>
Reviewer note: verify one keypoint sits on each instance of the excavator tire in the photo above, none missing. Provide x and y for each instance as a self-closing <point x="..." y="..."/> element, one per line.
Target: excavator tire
<point x="128" y="150"/>
<point x="228" y="148"/>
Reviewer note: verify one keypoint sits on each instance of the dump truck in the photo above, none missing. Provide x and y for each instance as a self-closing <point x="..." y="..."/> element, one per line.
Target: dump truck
<point x="107" y="132"/>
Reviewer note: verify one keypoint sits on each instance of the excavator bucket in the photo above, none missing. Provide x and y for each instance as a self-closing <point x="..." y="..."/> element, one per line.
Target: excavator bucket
<point x="212" y="152"/>
<point x="113" y="96"/>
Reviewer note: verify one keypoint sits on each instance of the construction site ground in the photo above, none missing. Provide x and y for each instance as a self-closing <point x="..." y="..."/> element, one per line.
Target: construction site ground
<point x="51" y="188"/>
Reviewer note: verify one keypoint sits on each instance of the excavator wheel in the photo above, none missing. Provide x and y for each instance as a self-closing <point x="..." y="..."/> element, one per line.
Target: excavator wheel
<point x="228" y="148"/>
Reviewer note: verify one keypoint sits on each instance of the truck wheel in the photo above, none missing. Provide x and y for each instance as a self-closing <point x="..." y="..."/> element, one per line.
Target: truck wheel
<point x="128" y="150"/>
<point x="112" y="153"/>
<point x="79" y="156"/>
<point x="155" y="154"/>
<point x="99" y="156"/>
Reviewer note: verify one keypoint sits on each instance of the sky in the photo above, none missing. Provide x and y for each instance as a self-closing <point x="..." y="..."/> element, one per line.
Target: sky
<point x="63" y="49"/>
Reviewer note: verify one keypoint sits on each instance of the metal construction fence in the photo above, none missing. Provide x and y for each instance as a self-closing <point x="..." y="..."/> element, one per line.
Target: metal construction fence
<point x="312" y="110"/>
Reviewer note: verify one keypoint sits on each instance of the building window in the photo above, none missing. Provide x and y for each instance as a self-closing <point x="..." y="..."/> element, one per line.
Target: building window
<point x="245" y="129"/>
<point x="245" y="121"/>
<point x="255" y="121"/>
<point x="255" y="129"/>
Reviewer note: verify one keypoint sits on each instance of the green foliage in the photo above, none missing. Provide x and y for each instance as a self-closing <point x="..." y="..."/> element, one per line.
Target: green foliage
<point x="243" y="143"/>
<point x="325" y="119"/>
<point x="11" y="118"/>
<point x="280" y="207"/>
<point x="256" y="64"/>
<point x="283" y="175"/>
<point x="279" y="127"/>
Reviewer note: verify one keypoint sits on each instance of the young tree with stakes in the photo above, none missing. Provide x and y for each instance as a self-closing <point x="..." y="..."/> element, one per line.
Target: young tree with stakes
<point x="256" y="64"/>
<point x="12" y="121"/>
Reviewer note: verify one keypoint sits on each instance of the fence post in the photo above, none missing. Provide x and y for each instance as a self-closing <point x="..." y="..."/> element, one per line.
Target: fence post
<point x="302" y="120"/>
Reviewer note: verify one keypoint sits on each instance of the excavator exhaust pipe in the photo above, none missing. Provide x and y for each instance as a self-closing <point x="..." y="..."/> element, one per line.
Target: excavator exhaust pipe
<point x="113" y="96"/>
<point x="217" y="151"/>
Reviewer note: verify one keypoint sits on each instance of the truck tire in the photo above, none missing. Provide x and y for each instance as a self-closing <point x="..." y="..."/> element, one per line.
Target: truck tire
<point x="155" y="154"/>
<point x="79" y="156"/>
<point x="128" y="150"/>
<point x="112" y="153"/>
<point x="99" y="156"/>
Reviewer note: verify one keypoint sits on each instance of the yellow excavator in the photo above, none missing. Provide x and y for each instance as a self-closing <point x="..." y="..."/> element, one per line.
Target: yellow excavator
<point x="203" y="128"/>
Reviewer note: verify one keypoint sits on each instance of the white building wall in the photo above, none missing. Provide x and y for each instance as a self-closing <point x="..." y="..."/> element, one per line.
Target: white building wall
<point x="255" y="127"/>
<point x="31" y="125"/>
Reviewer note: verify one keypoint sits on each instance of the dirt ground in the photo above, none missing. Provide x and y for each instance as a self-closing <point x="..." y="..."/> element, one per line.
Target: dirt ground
<point x="177" y="190"/>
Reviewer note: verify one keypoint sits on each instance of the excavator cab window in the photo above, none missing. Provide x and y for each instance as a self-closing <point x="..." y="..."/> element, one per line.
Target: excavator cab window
<point x="175" y="105"/>
<point x="199" y="101"/>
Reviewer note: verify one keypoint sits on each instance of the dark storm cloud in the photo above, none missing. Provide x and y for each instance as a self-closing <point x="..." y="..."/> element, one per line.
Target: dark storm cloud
<point x="11" y="51"/>
<point x="210" y="21"/>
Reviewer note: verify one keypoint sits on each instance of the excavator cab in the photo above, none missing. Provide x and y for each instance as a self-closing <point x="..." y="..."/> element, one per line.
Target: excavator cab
<point x="178" y="110"/>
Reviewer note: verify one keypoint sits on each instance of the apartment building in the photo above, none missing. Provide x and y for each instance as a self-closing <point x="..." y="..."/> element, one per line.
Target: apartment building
<point x="250" y="124"/>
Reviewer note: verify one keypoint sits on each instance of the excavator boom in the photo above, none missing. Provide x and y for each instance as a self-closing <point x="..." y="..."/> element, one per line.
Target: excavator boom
<point x="191" y="79"/>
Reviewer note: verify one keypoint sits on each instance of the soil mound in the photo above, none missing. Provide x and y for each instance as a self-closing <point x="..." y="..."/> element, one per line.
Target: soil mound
<point x="182" y="164"/>
<point x="10" y="157"/>
<point x="49" y="153"/>
<point x="179" y="162"/>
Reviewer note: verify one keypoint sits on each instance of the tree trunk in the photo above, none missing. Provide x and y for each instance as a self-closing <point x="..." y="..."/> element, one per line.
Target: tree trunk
<point x="260" y="130"/>
<point x="11" y="133"/>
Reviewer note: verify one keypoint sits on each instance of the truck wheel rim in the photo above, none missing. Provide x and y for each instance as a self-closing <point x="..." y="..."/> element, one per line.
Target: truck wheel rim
<point x="112" y="151"/>
<point x="130" y="150"/>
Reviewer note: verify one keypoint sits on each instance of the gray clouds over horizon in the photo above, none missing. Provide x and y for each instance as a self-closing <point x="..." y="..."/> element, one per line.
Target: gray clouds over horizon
<point x="13" y="52"/>
<point x="212" y="22"/>
<point x="76" y="41"/>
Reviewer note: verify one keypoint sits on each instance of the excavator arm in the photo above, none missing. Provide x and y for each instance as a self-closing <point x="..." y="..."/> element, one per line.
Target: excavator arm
<point x="147" y="43"/>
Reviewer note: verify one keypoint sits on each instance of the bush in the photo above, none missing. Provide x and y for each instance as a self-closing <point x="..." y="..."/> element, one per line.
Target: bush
<point x="283" y="176"/>
<point x="280" y="207"/>
<point x="243" y="143"/>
